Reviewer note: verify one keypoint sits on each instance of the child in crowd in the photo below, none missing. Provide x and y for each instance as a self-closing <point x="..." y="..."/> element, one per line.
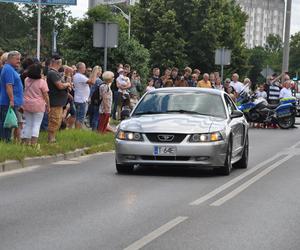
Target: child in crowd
<point x="261" y="93"/>
<point x="150" y="85"/>
<point x="123" y="83"/>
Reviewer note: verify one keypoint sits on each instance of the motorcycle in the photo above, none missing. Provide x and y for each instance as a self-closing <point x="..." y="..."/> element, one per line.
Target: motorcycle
<point x="257" y="110"/>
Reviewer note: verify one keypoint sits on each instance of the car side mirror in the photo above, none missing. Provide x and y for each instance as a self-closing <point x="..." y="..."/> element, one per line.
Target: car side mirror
<point x="236" y="114"/>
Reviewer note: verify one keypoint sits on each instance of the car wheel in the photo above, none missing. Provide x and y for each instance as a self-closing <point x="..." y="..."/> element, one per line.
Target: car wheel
<point x="124" y="169"/>
<point x="243" y="162"/>
<point x="227" y="165"/>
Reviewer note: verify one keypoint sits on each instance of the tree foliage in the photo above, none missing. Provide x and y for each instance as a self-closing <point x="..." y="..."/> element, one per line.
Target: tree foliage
<point x="13" y="28"/>
<point x="78" y="43"/>
<point x="19" y="27"/>
<point x="295" y="53"/>
<point x="188" y="32"/>
<point x="274" y="43"/>
<point x="53" y="18"/>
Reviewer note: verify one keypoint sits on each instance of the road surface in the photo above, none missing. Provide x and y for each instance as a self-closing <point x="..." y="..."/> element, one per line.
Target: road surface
<point x="84" y="204"/>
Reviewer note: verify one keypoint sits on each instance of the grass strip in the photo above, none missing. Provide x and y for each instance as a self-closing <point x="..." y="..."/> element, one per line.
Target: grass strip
<point x="67" y="141"/>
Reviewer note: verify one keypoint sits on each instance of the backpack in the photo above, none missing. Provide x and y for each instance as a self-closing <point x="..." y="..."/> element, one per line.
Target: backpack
<point x="95" y="98"/>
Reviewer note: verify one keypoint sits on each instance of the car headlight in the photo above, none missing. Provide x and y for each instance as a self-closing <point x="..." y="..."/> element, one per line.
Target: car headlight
<point x="129" y="136"/>
<point x="209" y="137"/>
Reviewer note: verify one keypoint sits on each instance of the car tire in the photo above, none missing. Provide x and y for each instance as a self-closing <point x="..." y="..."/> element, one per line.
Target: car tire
<point x="243" y="162"/>
<point x="226" y="169"/>
<point x="124" y="169"/>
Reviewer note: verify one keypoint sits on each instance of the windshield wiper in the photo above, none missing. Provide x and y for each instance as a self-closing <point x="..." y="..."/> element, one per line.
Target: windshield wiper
<point x="182" y="111"/>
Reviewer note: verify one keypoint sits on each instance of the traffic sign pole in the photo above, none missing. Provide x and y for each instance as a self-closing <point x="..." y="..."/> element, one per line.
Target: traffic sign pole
<point x="105" y="46"/>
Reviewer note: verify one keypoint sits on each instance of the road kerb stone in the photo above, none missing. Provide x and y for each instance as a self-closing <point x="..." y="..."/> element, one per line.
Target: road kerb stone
<point x="11" y="165"/>
<point x="43" y="160"/>
<point x="74" y="154"/>
<point x="33" y="161"/>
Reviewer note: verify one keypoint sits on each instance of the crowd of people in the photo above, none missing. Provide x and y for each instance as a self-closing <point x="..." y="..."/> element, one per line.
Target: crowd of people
<point x="52" y="96"/>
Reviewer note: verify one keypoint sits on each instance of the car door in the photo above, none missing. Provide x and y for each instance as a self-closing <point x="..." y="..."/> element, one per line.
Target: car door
<point x="237" y="128"/>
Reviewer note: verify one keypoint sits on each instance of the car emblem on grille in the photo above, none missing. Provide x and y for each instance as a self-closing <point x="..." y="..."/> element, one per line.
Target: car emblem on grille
<point x="165" y="138"/>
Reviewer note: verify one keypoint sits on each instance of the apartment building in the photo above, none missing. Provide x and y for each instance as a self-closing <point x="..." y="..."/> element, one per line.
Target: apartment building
<point x="265" y="17"/>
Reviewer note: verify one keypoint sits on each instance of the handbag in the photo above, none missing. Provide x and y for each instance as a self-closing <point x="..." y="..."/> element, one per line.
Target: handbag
<point x="11" y="120"/>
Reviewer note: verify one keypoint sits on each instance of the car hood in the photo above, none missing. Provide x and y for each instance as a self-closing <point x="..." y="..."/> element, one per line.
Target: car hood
<point x="173" y="123"/>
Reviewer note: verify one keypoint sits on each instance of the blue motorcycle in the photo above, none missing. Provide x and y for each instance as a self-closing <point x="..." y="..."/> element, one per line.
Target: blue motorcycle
<point x="257" y="110"/>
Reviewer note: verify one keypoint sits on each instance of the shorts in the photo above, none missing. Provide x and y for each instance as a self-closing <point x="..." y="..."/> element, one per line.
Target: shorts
<point x="81" y="110"/>
<point x="54" y="118"/>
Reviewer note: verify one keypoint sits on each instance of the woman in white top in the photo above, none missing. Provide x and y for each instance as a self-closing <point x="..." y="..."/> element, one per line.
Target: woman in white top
<point x="286" y="91"/>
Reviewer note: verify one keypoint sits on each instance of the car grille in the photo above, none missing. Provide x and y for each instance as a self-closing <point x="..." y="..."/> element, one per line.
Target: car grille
<point x="166" y="138"/>
<point x="165" y="158"/>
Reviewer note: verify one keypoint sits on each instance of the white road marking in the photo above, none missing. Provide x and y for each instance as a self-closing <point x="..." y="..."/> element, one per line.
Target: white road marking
<point x="242" y="176"/>
<point x="156" y="233"/>
<point x="248" y="183"/>
<point x="233" y="181"/>
<point x="19" y="171"/>
<point x="66" y="162"/>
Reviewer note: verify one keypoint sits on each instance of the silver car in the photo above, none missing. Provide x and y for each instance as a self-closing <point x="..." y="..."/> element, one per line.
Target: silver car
<point x="183" y="126"/>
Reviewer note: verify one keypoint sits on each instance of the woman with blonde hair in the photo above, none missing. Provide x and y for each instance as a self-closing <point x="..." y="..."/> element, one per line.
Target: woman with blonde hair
<point x="106" y="103"/>
<point x="93" y="110"/>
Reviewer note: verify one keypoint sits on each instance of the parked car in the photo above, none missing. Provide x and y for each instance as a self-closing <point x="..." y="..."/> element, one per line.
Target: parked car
<point x="183" y="127"/>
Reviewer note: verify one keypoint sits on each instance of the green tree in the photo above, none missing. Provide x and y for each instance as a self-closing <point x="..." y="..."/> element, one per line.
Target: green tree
<point x="295" y="53"/>
<point x="194" y="29"/>
<point x="167" y="47"/>
<point x="78" y="43"/>
<point x="274" y="43"/>
<point x="257" y="60"/>
<point x="14" y="28"/>
<point x="54" y="17"/>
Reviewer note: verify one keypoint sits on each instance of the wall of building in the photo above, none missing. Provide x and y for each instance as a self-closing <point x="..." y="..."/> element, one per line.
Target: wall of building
<point x="265" y="17"/>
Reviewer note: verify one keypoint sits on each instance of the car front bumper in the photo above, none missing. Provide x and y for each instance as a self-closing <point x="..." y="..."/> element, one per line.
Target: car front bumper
<point x="206" y="155"/>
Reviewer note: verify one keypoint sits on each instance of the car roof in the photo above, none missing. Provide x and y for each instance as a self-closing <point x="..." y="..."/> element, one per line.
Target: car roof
<point x="188" y="90"/>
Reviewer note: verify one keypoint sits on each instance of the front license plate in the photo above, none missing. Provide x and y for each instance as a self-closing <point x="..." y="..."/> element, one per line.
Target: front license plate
<point x="164" y="150"/>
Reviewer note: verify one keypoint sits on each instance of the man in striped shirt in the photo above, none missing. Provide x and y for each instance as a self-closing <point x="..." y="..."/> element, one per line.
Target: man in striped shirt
<point x="273" y="90"/>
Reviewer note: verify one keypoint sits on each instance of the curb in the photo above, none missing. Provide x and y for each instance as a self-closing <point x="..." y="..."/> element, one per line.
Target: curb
<point x="31" y="161"/>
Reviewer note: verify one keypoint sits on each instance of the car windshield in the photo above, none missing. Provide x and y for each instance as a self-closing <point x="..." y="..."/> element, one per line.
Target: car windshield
<point x="190" y="103"/>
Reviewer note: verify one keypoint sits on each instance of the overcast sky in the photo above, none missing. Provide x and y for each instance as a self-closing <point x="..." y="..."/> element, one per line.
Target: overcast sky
<point x="82" y="6"/>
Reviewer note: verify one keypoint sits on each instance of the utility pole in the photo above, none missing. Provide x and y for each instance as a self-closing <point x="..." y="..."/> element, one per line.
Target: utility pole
<point x="287" y="32"/>
<point x="38" y="46"/>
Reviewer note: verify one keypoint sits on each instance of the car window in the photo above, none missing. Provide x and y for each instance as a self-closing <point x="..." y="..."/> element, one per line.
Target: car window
<point x="230" y="105"/>
<point x="164" y="102"/>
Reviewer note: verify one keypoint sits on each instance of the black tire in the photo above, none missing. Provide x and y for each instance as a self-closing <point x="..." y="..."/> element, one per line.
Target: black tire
<point x="225" y="171"/>
<point x="243" y="162"/>
<point x="124" y="169"/>
<point x="286" y="122"/>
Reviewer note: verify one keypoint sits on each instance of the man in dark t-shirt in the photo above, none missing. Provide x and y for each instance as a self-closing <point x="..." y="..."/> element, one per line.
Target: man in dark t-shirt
<point x="156" y="78"/>
<point x="58" y="96"/>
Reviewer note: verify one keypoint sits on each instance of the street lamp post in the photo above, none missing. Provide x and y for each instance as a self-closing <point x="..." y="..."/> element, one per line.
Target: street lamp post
<point x="287" y="32"/>
<point x="127" y="17"/>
